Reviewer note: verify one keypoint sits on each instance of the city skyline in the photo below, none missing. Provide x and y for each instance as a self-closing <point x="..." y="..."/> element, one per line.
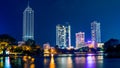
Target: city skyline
<point x="50" y="13"/>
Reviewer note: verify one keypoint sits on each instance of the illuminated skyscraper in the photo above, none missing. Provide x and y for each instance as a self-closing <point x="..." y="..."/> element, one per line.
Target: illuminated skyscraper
<point x="80" y="39"/>
<point x="96" y="33"/>
<point x="63" y="36"/>
<point x="28" y="23"/>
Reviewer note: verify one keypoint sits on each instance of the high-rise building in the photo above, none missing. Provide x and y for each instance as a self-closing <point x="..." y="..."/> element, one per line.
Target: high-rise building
<point x="96" y="33"/>
<point x="80" y="39"/>
<point x="28" y="23"/>
<point x="63" y="36"/>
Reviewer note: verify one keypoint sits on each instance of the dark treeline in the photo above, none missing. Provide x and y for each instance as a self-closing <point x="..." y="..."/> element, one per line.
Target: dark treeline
<point x="7" y="38"/>
<point x="112" y="48"/>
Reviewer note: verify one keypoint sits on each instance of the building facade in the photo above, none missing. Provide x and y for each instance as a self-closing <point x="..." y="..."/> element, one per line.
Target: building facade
<point x="63" y="36"/>
<point x="80" y="39"/>
<point x="28" y="23"/>
<point x="96" y="33"/>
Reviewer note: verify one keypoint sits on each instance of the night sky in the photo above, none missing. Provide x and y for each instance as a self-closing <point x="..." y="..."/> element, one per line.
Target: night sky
<point x="49" y="13"/>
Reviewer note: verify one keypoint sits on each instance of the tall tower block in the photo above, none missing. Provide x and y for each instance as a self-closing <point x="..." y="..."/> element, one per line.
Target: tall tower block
<point x="63" y="36"/>
<point x="96" y="33"/>
<point x="28" y="23"/>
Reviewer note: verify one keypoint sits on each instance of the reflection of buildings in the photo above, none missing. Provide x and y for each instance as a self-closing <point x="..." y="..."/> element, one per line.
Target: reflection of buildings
<point x="63" y="36"/>
<point x="80" y="39"/>
<point x="69" y="62"/>
<point x="16" y="61"/>
<point x="28" y="24"/>
<point x="28" y="62"/>
<point x="91" y="61"/>
<point x="5" y="62"/>
<point x="65" y="61"/>
<point x="52" y="63"/>
<point x="96" y="34"/>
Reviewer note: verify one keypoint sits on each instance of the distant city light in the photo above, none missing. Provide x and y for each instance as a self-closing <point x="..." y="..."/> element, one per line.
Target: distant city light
<point x="89" y="41"/>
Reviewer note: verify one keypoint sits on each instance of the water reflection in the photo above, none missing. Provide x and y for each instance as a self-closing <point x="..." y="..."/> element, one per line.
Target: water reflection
<point x="5" y="62"/>
<point x="52" y="63"/>
<point x="17" y="62"/>
<point x="85" y="62"/>
<point x="32" y="65"/>
<point x="90" y="62"/>
<point x="45" y="61"/>
<point x="28" y="62"/>
<point x="1" y="62"/>
<point x="69" y="62"/>
<point x="64" y="62"/>
<point x="100" y="59"/>
<point x="79" y="60"/>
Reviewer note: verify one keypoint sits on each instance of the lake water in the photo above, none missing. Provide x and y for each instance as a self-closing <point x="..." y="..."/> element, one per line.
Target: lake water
<point x="89" y="61"/>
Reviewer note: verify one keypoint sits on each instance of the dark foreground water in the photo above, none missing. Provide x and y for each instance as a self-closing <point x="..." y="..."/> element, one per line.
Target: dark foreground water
<point x="59" y="62"/>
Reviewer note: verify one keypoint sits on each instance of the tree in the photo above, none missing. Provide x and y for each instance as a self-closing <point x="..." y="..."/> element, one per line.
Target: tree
<point x="110" y="45"/>
<point x="30" y="42"/>
<point x="112" y="48"/>
<point x="7" y="38"/>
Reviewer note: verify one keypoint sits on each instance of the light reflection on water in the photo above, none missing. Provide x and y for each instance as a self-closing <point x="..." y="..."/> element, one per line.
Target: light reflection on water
<point x="52" y="63"/>
<point x="89" y="61"/>
<point x="16" y="62"/>
<point x="64" y="62"/>
<point x="1" y="62"/>
<point x="69" y="62"/>
<point x="28" y="62"/>
<point x="7" y="63"/>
